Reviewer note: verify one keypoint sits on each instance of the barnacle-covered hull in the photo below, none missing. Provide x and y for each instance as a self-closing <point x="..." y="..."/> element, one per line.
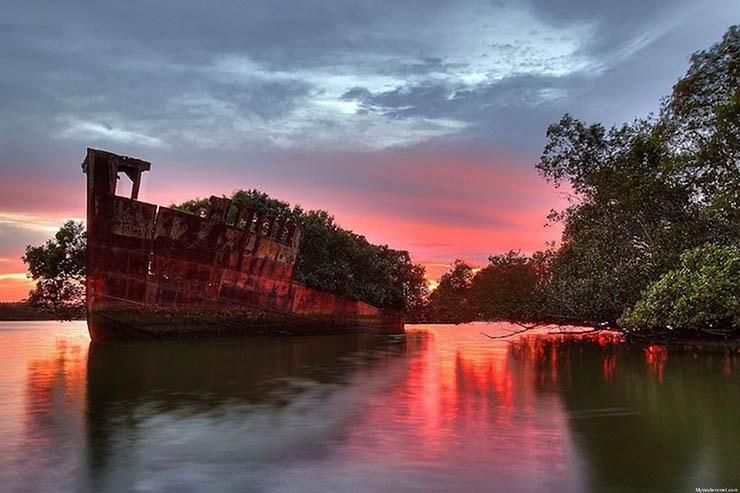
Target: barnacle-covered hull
<point x="159" y="273"/>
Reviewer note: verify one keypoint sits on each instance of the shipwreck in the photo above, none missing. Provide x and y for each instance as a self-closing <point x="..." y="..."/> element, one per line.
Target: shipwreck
<point x="154" y="272"/>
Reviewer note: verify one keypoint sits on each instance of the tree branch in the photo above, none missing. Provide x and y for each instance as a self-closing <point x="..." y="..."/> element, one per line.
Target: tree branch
<point x="506" y="335"/>
<point x="525" y="328"/>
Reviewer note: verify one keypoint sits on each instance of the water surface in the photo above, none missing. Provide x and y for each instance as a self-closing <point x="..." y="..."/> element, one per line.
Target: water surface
<point x="442" y="408"/>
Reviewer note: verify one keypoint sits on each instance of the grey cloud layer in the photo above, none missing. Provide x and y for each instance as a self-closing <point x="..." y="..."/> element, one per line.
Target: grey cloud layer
<point x="364" y="75"/>
<point x="276" y="92"/>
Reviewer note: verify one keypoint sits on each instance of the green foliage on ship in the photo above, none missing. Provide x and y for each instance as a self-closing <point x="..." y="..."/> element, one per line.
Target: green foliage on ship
<point x="337" y="260"/>
<point x="330" y="258"/>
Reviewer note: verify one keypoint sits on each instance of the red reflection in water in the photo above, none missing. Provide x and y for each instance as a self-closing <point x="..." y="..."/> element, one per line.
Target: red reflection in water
<point x="466" y="399"/>
<point x="452" y="408"/>
<point x="55" y="383"/>
<point x="610" y="366"/>
<point x="45" y="377"/>
<point x="729" y="364"/>
<point x="656" y="357"/>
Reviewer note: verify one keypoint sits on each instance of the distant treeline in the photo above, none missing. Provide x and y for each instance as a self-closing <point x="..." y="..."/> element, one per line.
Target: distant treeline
<point x="22" y="310"/>
<point x="651" y="240"/>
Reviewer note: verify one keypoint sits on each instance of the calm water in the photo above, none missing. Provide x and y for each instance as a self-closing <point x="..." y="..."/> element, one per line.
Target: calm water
<point x="442" y="408"/>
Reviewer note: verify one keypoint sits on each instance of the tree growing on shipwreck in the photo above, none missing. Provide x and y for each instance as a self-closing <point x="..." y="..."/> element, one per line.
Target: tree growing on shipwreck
<point x="331" y="259"/>
<point x="337" y="260"/>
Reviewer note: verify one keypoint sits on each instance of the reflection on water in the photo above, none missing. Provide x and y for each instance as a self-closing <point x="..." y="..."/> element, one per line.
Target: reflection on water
<point x="441" y="408"/>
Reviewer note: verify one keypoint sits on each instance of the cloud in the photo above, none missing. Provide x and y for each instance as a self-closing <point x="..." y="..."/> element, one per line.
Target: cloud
<point x="14" y="286"/>
<point x="79" y="130"/>
<point x="15" y="276"/>
<point x="17" y="230"/>
<point x="243" y="85"/>
<point x="468" y="103"/>
<point x="33" y="222"/>
<point x="315" y="77"/>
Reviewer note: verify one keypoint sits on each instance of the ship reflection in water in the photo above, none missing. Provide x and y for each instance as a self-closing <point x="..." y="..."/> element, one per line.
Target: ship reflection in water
<point x="442" y="408"/>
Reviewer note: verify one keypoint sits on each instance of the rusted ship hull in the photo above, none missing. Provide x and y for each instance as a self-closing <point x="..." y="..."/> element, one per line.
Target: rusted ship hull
<point x="158" y="273"/>
<point x="121" y="322"/>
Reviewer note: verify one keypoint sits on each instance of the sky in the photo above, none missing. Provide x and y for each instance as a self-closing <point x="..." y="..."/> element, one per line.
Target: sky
<point x="416" y="123"/>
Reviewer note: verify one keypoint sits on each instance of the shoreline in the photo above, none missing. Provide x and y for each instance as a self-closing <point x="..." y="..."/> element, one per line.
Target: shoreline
<point x="20" y="312"/>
